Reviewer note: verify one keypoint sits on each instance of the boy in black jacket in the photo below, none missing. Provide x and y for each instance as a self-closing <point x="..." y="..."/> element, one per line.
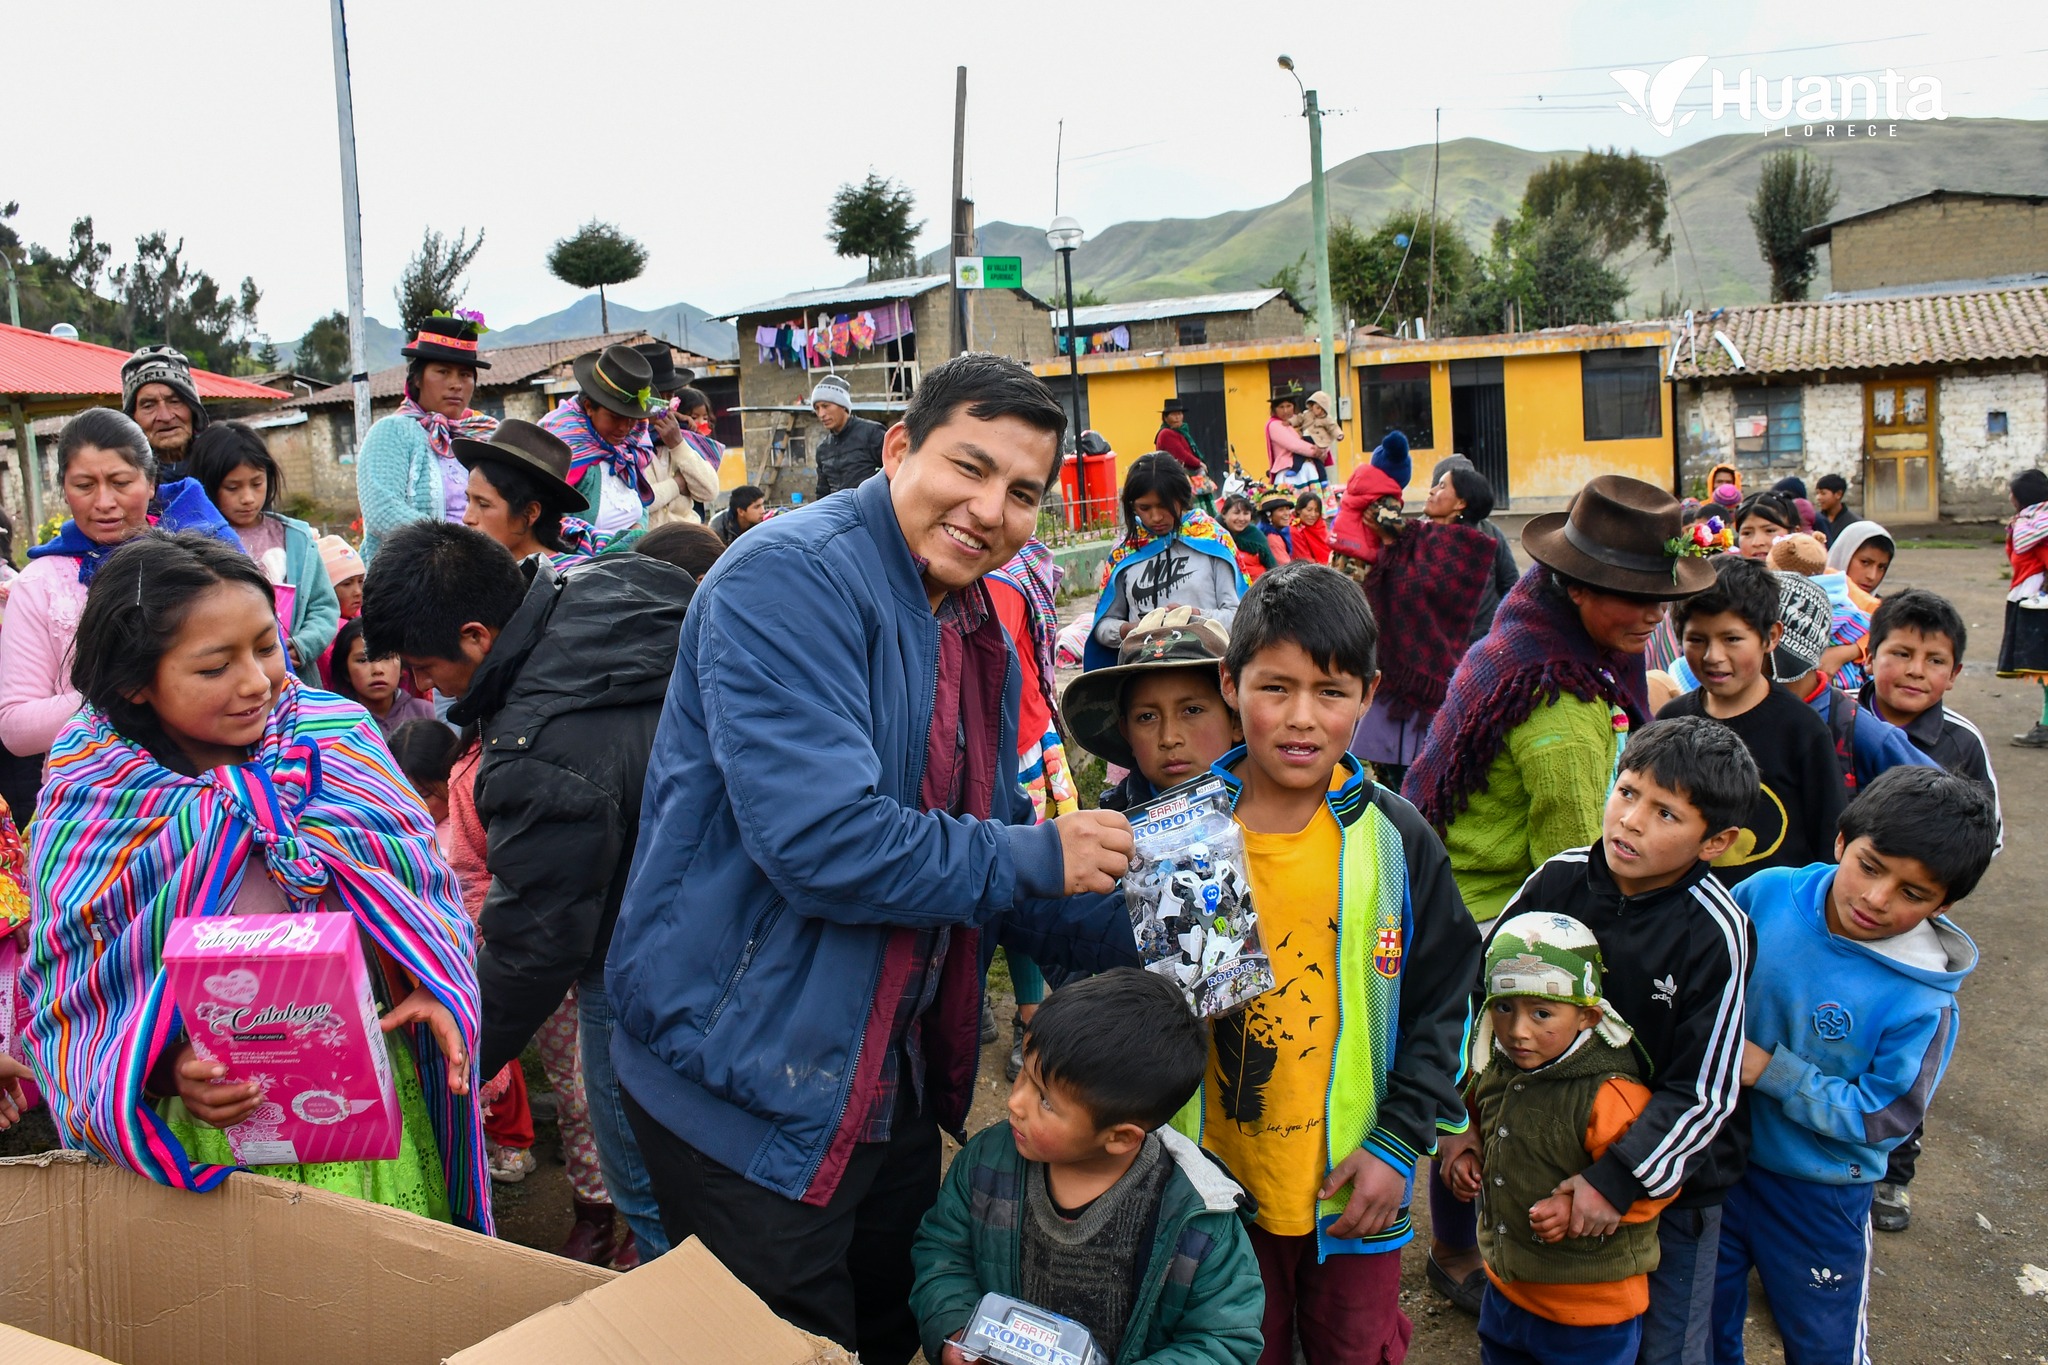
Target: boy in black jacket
<point x="1680" y="952"/>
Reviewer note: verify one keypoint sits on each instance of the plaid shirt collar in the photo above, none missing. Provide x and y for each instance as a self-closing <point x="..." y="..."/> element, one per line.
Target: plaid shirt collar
<point x="964" y="611"/>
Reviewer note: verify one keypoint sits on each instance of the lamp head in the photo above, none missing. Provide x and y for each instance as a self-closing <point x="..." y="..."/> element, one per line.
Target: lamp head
<point x="1286" y="62"/>
<point x="1064" y="234"/>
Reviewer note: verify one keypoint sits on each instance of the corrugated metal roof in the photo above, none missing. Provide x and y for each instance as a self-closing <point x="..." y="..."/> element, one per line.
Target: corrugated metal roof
<point x="38" y="363"/>
<point x="879" y="291"/>
<point x="1152" y="310"/>
<point x="1870" y="334"/>
<point x="509" y="365"/>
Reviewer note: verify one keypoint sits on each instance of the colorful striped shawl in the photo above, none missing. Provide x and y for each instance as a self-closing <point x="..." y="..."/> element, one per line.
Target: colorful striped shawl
<point x="122" y="845"/>
<point x="627" y="462"/>
<point x="1035" y="575"/>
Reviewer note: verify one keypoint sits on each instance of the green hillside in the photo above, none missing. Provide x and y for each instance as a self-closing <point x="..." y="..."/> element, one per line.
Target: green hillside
<point x="1716" y="254"/>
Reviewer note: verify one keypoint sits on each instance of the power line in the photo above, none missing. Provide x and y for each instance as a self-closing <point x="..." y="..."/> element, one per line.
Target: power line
<point x="1760" y="52"/>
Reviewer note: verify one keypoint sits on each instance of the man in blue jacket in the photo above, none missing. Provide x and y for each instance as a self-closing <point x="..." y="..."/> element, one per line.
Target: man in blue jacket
<point x="833" y="840"/>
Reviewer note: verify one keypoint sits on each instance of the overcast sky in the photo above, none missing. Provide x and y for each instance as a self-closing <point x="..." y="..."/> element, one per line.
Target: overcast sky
<point x="716" y="134"/>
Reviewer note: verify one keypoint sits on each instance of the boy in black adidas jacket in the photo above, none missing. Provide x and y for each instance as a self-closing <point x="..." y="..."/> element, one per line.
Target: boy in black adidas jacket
<point x="1679" y="953"/>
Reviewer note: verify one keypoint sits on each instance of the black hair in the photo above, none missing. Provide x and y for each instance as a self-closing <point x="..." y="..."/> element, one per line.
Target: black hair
<point x="1124" y="1042"/>
<point x="1831" y="483"/>
<point x="107" y="429"/>
<point x="1743" y="587"/>
<point x="1702" y="760"/>
<point x="1477" y="493"/>
<point x="2029" y="486"/>
<point x="688" y="546"/>
<point x="1923" y="610"/>
<point x="426" y="751"/>
<point x="133" y="612"/>
<point x="1305" y="499"/>
<point x="338" y="680"/>
<point x="1557" y="585"/>
<point x="223" y="448"/>
<point x="1235" y="501"/>
<point x="1947" y="823"/>
<point x="1160" y="474"/>
<point x="688" y="400"/>
<point x="1773" y="507"/>
<point x="988" y="386"/>
<point x="1313" y="606"/>
<point x="428" y="580"/>
<point x="745" y="496"/>
<point x="522" y="488"/>
<point x="418" y="366"/>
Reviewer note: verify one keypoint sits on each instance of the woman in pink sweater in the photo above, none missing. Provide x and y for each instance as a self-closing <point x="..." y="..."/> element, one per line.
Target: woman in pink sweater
<point x="108" y="478"/>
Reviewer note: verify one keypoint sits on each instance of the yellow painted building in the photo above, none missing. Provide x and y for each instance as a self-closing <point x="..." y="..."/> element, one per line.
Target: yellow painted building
<point x="1540" y="413"/>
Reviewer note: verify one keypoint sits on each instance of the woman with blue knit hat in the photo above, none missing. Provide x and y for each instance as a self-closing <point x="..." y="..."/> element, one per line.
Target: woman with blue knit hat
<point x="1557" y="1079"/>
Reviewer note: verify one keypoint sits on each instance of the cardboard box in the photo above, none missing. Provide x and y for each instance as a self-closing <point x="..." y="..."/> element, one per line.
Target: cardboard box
<point x="109" y="1266"/>
<point x="285" y="999"/>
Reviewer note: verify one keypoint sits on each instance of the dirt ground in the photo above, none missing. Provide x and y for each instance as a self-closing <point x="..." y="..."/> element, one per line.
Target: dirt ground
<point x="1947" y="1290"/>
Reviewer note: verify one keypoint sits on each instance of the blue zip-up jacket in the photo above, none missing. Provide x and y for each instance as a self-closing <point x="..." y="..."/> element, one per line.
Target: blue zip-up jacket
<point x="1858" y="1041"/>
<point x="782" y="848"/>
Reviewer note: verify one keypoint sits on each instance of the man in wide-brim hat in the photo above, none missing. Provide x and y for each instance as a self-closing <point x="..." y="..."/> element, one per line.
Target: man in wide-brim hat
<point x="611" y="449"/>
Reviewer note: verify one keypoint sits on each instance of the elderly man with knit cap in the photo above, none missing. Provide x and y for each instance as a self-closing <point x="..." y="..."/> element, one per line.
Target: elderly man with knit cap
<point x="852" y="448"/>
<point x="158" y="392"/>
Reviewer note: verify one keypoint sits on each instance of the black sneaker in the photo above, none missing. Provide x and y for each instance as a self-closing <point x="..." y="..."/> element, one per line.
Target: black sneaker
<point x="1891" y="1208"/>
<point x="1465" y="1295"/>
<point x="2036" y="738"/>
<point x="988" y="1023"/>
<point x="1015" y="1065"/>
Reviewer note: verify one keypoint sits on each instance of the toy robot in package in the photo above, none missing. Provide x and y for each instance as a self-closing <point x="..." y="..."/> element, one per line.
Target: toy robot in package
<point x="1190" y="901"/>
<point x="1009" y="1331"/>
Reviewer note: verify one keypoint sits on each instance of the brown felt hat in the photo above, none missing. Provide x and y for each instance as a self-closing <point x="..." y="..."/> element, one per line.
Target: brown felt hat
<point x="1621" y="535"/>
<point x="617" y="378"/>
<point x="531" y="449"/>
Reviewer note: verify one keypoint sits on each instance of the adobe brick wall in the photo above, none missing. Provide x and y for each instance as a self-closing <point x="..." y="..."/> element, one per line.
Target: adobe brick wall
<point x="1955" y="239"/>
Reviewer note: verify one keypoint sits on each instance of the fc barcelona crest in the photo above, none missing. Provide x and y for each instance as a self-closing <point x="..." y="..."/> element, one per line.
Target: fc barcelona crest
<point x="1386" y="952"/>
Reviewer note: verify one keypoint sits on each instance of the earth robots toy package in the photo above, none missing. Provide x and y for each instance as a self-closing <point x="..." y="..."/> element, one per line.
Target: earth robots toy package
<point x="1190" y="901"/>
<point x="1007" y="1331"/>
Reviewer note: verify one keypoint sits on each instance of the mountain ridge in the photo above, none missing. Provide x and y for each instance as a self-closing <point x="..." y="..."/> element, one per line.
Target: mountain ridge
<point x="682" y="324"/>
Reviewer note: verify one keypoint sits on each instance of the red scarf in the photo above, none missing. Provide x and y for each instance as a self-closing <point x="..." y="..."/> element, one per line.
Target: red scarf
<point x="1312" y="541"/>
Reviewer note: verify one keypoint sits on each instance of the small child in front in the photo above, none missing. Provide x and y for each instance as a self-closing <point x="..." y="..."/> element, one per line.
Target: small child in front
<point x="1557" y="1082"/>
<point x="1307" y="1099"/>
<point x="1680" y="952"/>
<point x="1851" y="1022"/>
<point x="1085" y="1203"/>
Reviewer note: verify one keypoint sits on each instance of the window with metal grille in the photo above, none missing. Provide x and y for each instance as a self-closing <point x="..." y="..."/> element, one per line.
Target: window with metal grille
<point x="1622" y="395"/>
<point x="1397" y="397"/>
<point x="1768" y="429"/>
<point x="1194" y="331"/>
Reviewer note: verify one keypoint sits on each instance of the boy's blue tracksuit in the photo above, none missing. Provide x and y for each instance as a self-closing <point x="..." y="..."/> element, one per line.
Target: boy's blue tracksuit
<point x="1858" y="1042"/>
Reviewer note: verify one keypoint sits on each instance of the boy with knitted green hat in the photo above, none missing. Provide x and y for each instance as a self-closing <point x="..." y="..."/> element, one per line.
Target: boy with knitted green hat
<point x="1554" y="1083"/>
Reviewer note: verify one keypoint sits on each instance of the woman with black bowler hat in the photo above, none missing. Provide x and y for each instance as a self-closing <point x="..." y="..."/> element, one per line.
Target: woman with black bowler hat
<point x="406" y="470"/>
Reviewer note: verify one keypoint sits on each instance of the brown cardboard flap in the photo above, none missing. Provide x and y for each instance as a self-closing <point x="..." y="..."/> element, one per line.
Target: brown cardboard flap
<point x="679" y="1310"/>
<point x="257" y="1270"/>
<point x="20" y="1348"/>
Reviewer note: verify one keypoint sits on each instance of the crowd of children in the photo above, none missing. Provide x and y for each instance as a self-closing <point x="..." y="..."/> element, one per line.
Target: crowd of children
<point x="1697" y="1045"/>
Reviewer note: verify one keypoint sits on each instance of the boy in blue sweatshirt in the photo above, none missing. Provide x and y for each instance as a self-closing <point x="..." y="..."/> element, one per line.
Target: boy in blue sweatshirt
<point x="1851" y="1022"/>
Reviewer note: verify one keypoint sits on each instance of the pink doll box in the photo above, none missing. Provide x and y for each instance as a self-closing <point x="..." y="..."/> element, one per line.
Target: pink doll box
<point x="285" y="1000"/>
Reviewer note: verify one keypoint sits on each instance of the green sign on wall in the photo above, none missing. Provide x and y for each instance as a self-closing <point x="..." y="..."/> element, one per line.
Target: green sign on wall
<point x="1002" y="272"/>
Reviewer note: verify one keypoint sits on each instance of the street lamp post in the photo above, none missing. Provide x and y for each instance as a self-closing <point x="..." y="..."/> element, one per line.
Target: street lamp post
<point x="1319" y="206"/>
<point x="1063" y="236"/>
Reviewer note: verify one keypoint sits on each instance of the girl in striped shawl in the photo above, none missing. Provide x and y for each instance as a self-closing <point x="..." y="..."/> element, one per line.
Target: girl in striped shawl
<point x="200" y="778"/>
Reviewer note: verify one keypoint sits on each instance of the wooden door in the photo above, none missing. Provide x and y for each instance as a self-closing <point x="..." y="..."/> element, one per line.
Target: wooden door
<point x="1901" y="476"/>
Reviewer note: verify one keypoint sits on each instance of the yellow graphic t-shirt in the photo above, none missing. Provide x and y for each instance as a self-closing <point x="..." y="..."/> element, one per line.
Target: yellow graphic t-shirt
<point x="1269" y="1063"/>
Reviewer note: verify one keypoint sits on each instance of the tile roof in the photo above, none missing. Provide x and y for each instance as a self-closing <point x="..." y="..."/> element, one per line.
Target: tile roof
<point x="1151" y="310"/>
<point x="38" y="363"/>
<point x="1868" y="334"/>
<point x="510" y="365"/>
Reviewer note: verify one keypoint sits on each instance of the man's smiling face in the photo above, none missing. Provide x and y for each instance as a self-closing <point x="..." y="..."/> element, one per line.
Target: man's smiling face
<point x="967" y="498"/>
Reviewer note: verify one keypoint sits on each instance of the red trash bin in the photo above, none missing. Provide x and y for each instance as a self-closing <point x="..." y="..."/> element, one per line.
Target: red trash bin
<point x="1070" y="493"/>
<point x="1098" y="482"/>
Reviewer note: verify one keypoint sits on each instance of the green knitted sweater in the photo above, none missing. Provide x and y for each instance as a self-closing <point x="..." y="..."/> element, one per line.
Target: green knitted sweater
<point x="1543" y="795"/>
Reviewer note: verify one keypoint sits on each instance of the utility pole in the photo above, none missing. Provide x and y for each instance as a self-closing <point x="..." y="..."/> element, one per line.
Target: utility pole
<point x="1319" y="207"/>
<point x="351" y="222"/>
<point x="24" y="438"/>
<point x="1436" y="164"/>
<point x="957" y="247"/>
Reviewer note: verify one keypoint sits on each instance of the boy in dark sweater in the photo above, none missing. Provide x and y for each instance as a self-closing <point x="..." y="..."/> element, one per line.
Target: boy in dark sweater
<point x="1085" y="1203"/>
<point x="1729" y="632"/>
<point x="1679" y="951"/>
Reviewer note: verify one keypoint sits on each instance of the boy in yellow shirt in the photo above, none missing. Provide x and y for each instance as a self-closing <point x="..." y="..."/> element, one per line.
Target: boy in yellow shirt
<point x="1323" y="1094"/>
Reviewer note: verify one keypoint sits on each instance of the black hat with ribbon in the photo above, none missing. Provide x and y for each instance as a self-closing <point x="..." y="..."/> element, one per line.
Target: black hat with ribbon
<point x="449" y="340"/>
<point x="1621" y="536"/>
<point x="669" y="377"/>
<point x="543" y="455"/>
<point x="617" y="378"/>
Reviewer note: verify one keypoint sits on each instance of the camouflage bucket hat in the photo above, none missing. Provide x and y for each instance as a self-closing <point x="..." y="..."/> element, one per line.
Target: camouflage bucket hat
<point x="1172" y="637"/>
<point x="1545" y="956"/>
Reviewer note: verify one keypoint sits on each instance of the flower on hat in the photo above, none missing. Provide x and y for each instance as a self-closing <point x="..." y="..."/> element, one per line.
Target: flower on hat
<point x="468" y="315"/>
<point x="645" y="398"/>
